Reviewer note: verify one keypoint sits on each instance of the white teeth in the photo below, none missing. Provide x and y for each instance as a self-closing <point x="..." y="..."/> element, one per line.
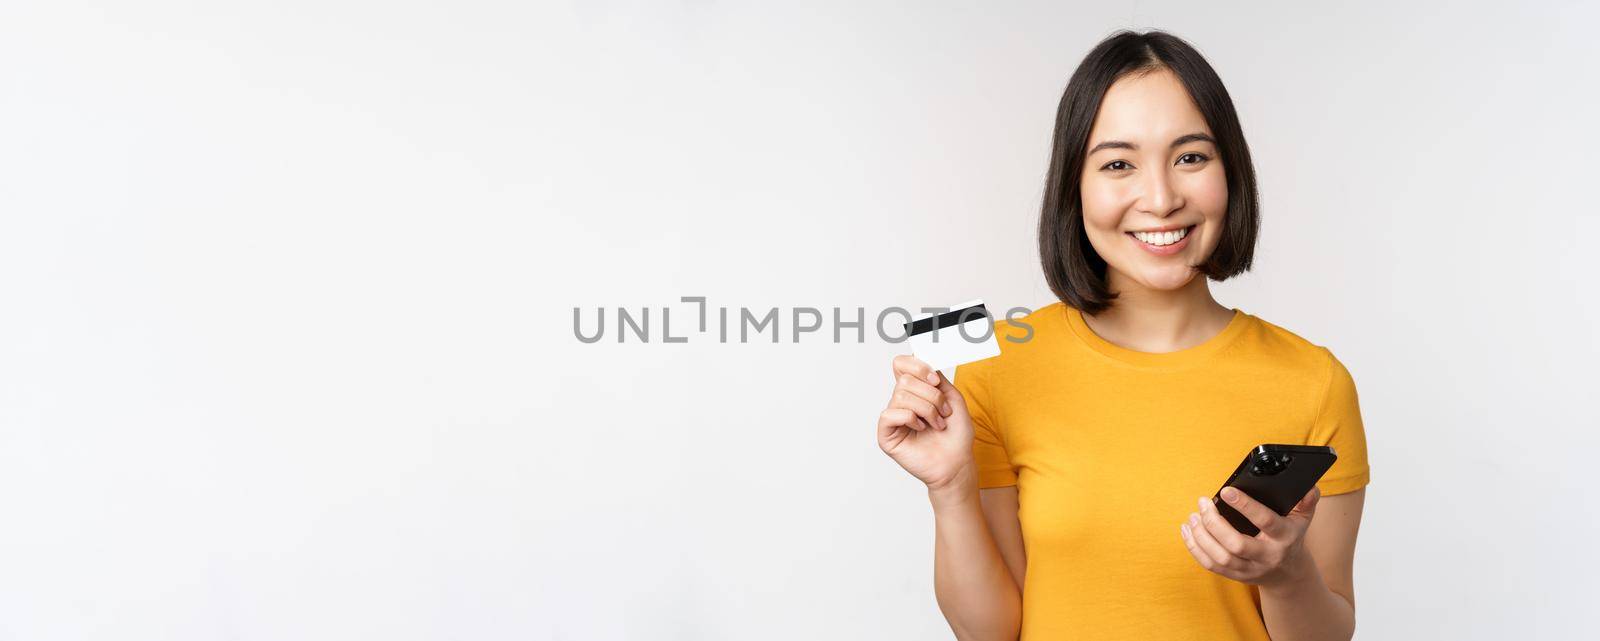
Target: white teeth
<point x="1162" y="238"/>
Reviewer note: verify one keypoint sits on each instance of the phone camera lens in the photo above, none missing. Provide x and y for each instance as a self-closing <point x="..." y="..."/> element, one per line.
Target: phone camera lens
<point x="1267" y="463"/>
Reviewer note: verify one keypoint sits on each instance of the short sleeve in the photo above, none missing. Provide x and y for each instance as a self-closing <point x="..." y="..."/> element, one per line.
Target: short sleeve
<point x="1338" y="424"/>
<point x="988" y="450"/>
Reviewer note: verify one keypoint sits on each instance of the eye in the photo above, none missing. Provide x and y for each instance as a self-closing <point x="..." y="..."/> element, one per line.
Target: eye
<point x="1198" y="158"/>
<point x="1114" y="166"/>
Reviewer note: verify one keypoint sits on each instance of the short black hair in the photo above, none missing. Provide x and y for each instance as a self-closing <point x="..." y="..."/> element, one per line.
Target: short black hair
<point x="1075" y="272"/>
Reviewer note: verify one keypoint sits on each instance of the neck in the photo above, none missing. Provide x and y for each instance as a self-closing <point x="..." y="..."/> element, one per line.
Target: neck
<point x="1159" y="321"/>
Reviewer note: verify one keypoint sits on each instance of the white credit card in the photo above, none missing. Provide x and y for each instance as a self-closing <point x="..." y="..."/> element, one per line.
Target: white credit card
<point x="961" y="335"/>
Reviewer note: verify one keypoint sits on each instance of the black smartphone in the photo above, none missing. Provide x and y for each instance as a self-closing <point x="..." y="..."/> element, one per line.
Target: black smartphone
<point x="1276" y="475"/>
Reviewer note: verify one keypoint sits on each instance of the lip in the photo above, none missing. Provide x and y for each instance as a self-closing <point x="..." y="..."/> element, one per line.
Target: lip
<point x="1166" y="250"/>
<point x="1167" y="228"/>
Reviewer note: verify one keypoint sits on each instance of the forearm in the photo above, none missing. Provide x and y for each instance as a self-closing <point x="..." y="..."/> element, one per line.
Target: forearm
<point x="975" y="590"/>
<point x="1306" y="610"/>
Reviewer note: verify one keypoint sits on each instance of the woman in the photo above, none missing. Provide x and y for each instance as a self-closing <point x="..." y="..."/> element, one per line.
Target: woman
<point x="1070" y="476"/>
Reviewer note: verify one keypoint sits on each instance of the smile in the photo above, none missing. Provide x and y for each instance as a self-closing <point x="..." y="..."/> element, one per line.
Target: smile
<point x="1163" y="242"/>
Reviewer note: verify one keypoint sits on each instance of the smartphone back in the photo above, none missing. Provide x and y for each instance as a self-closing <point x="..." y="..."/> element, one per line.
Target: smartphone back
<point x="1276" y="475"/>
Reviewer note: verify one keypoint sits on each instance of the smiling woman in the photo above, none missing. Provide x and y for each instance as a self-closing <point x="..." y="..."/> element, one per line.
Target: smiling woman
<point x="1160" y="129"/>
<point x="1070" y="475"/>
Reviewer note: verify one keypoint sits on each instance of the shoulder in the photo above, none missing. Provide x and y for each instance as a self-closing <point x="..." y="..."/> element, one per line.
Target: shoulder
<point x="1023" y="336"/>
<point x="1292" y="351"/>
<point x="1018" y="330"/>
<point x="1026" y="334"/>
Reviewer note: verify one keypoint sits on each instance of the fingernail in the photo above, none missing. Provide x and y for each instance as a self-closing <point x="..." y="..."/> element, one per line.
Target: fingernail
<point x="1184" y="530"/>
<point x="1194" y="520"/>
<point x="1203" y="503"/>
<point x="1229" y="494"/>
<point x="948" y="409"/>
<point x="933" y="377"/>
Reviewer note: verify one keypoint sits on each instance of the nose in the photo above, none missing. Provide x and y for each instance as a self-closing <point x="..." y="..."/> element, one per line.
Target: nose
<point x="1159" y="198"/>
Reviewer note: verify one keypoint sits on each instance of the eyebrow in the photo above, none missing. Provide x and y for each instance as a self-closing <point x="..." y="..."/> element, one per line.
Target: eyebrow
<point x="1178" y="142"/>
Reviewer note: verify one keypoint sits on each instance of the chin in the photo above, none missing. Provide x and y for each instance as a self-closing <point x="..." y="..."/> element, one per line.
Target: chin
<point x="1167" y="279"/>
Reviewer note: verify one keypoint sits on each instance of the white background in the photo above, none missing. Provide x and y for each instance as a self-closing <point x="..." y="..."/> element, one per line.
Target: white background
<point x="286" y="293"/>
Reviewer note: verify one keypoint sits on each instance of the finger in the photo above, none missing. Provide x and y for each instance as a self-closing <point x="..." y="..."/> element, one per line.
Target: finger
<point x="893" y="420"/>
<point x="908" y="364"/>
<point x="921" y="406"/>
<point x="1215" y="529"/>
<point x="952" y="396"/>
<point x="1222" y="562"/>
<point x="1307" y="507"/>
<point x="927" y="392"/>
<point x="1199" y="555"/>
<point x="1262" y="516"/>
<point x="1230" y="538"/>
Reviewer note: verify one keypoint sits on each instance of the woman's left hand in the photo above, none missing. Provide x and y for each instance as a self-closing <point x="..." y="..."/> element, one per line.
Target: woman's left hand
<point x="1275" y="555"/>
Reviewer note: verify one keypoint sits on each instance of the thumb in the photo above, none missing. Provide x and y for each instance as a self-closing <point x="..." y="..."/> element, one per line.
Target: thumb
<point x="958" y="404"/>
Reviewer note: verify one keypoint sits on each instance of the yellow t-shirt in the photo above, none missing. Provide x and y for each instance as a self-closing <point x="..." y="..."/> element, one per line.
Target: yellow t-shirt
<point x="1110" y="448"/>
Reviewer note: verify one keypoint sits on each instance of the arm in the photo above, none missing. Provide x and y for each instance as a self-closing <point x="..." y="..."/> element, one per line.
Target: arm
<point x="1000" y="510"/>
<point x="1314" y="597"/>
<point x="977" y="557"/>
<point x="1322" y="603"/>
<point x="977" y="576"/>
<point x="1302" y="564"/>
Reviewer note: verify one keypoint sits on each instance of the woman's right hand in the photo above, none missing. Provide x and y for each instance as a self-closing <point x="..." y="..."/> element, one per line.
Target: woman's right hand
<point x="926" y="428"/>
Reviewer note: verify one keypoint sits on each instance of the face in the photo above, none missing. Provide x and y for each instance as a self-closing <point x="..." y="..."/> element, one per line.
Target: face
<point x="1153" y="188"/>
